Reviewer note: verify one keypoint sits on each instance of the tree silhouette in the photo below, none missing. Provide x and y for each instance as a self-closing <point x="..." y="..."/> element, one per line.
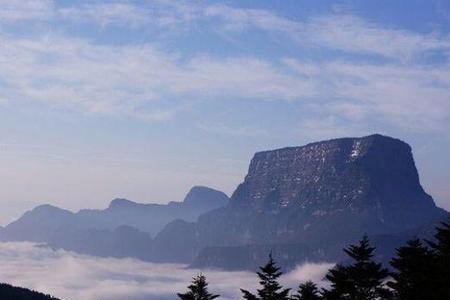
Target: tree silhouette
<point x="307" y="291"/>
<point x="420" y="273"/>
<point x="440" y="273"/>
<point x="271" y="289"/>
<point x="413" y="266"/>
<point x="362" y="280"/>
<point x="9" y="292"/>
<point x="198" y="290"/>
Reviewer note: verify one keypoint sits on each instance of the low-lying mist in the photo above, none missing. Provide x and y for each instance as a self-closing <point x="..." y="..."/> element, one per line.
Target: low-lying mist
<point x="71" y="276"/>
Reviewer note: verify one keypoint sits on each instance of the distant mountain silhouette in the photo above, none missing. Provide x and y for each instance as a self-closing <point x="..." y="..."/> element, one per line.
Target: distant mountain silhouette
<point x="151" y="218"/>
<point x="37" y="225"/>
<point x="9" y="292"/>
<point x="123" y="229"/>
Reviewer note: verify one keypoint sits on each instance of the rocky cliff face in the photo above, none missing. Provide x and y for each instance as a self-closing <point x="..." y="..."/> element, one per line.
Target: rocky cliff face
<point x="374" y="174"/>
<point x="323" y="195"/>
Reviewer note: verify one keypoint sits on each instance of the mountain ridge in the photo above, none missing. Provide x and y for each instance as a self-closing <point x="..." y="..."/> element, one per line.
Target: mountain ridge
<point x="42" y="221"/>
<point x="370" y="136"/>
<point x="305" y="203"/>
<point x="323" y="193"/>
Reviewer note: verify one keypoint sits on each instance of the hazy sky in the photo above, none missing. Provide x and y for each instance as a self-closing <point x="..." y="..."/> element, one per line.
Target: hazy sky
<point x="143" y="99"/>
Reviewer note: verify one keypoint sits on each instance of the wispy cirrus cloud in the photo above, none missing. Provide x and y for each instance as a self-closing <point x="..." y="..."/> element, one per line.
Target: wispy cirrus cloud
<point x="117" y="13"/>
<point x="343" y="32"/>
<point x="148" y="81"/>
<point x="235" y="19"/>
<point x="401" y="95"/>
<point x="222" y="128"/>
<point x="356" y="35"/>
<point x="130" y="79"/>
<point x="159" y="13"/>
<point x="13" y="11"/>
<point x="338" y="31"/>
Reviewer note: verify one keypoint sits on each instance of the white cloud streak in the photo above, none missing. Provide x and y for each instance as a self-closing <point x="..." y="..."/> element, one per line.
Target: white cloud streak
<point x="75" y="73"/>
<point x="25" y="10"/>
<point x="148" y="82"/>
<point x="401" y="95"/>
<point x="159" y="13"/>
<point x="221" y="128"/>
<point x="342" y="32"/>
<point x="77" y="277"/>
<point x="117" y="13"/>
<point x="353" y="34"/>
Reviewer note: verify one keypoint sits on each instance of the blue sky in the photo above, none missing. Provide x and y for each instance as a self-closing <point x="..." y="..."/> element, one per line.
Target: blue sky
<point x="143" y="99"/>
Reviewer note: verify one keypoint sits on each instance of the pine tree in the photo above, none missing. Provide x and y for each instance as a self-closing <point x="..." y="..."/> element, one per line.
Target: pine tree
<point x="307" y="291"/>
<point x="362" y="280"/>
<point x="442" y="244"/>
<point x="271" y="289"/>
<point x="198" y="290"/>
<point x="441" y="268"/>
<point x="412" y="278"/>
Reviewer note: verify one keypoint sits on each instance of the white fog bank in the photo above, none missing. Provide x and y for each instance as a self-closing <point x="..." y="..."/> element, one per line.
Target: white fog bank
<point x="71" y="276"/>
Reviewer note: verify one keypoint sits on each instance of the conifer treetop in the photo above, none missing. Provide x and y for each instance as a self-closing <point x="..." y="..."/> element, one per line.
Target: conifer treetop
<point x="198" y="290"/>
<point x="271" y="289"/>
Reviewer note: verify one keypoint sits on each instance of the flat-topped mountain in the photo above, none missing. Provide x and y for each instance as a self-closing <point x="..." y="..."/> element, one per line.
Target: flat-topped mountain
<point x="302" y="203"/>
<point x="319" y="195"/>
<point x="374" y="176"/>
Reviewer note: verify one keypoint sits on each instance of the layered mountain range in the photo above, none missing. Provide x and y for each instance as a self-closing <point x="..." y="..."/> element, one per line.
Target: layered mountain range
<point x="124" y="228"/>
<point x="301" y="203"/>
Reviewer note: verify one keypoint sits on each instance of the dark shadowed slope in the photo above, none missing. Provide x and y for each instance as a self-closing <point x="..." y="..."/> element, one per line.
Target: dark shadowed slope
<point x="313" y="199"/>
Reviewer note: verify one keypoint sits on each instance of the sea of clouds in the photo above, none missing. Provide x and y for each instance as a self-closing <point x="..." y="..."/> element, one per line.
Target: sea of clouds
<point x="71" y="276"/>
